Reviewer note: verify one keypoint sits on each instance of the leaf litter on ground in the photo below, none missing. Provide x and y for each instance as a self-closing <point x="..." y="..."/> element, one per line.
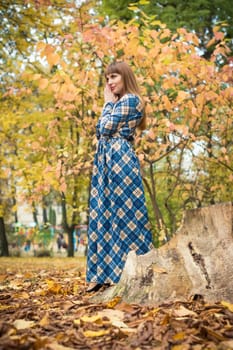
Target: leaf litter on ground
<point x="43" y="305"/>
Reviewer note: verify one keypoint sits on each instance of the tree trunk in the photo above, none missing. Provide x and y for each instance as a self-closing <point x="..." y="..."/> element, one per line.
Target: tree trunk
<point x="68" y="228"/>
<point x="70" y="251"/>
<point x="3" y="239"/>
<point x="197" y="261"/>
<point x="34" y="213"/>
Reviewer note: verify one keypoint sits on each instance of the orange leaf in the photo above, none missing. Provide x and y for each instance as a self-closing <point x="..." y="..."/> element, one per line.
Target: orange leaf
<point x="53" y="59"/>
<point x="182" y="95"/>
<point x="43" y="83"/>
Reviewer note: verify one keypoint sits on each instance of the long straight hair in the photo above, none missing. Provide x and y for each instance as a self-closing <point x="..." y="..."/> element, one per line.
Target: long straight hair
<point x="130" y="84"/>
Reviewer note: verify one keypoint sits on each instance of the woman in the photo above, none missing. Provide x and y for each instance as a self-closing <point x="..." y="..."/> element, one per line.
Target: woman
<point x="118" y="220"/>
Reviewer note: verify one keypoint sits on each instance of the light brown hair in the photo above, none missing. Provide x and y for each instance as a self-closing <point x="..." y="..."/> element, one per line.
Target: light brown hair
<point x="130" y="84"/>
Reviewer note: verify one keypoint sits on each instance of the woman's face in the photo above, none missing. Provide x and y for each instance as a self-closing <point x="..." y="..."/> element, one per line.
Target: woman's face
<point x="115" y="83"/>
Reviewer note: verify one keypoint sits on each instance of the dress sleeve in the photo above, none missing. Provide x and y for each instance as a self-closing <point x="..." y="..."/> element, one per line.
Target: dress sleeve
<point x="114" y="115"/>
<point x="108" y="107"/>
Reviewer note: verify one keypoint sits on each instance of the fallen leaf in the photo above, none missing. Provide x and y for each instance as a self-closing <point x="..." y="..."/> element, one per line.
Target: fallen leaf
<point x="45" y="320"/>
<point x="22" y="295"/>
<point x="113" y="302"/>
<point x="3" y="278"/>
<point x="179" y="336"/>
<point x="226" y="345"/>
<point x="23" y="324"/>
<point x="114" y="316"/>
<point x="181" y="347"/>
<point x="56" y="346"/>
<point x="228" y="305"/>
<point x="92" y="334"/>
<point x="91" y="319"/>
<point x="183" y="312"/>
<point x="127" y="308"/>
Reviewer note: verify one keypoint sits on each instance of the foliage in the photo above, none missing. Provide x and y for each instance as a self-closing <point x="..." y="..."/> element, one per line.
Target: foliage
<point x="44" y="306"/>
<point x="199" y="16"/>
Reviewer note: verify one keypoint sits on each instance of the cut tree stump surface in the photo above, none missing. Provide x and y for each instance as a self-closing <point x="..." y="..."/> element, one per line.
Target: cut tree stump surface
<point x="197" y="261"/>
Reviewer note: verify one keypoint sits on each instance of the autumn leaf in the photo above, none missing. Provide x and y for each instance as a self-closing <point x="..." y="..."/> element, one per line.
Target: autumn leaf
<point x="53" y="59"/>
<point x="91" y="319"/>
<point x="56" y="346"/>
<point x="227" y="305"/>
<point x="45" y="320"/>
<point x="93" y="334"/>
<point x="112" y="303"/>
<point x="43" y="83"/>
<point x="183" y="312"/>
<point x="182" y="95"/>
<point x="23" y="324"/>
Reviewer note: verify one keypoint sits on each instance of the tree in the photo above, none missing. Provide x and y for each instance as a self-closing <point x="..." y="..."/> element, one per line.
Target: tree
<point x="199" y="16"/>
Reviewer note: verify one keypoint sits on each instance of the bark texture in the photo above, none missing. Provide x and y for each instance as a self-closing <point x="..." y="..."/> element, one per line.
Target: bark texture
<point x="3" y="239"/>
<point x="198" y="260"/>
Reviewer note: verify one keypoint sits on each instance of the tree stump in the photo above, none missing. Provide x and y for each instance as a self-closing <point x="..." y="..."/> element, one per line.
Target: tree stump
<point x="197" y="261"/>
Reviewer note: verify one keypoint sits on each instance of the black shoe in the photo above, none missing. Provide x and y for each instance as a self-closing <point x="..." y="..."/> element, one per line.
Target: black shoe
<point x="94" y="288"/>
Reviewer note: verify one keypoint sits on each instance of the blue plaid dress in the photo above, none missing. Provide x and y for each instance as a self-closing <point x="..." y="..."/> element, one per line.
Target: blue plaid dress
<point x="118" y="220"/>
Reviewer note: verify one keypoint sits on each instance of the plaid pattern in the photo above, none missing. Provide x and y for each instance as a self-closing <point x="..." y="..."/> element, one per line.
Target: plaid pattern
<point x="118" y="220"/>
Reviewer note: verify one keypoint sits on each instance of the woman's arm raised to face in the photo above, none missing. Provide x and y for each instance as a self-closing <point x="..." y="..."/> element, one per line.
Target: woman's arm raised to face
<point x="114" y="115"/>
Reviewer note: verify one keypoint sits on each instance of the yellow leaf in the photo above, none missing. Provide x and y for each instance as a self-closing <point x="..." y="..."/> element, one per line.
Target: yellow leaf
<point x="22" y="295"/>
<point x="179" y="336"/>
<point x="156" y="23"/>
<point x="91" y="319"/>
<point x="45" y="320"/>
<point x="151" y="313"/>
<point x="77" y="322"/>
<point x="216" y="28"/>
<point x="14" y="208"/>
<point x="181" y="347"/>
<point x="144" y="2"/>
<point x="92" y="334"/>
<point x="53" y="287"/>
<point x="40" y="46"/>
<point x="113" y="302"/>
<point x="227" y="305"/>
<point x="133" y="8"/>
<point x="5" y="307"/>
<point x="75" y="288"/>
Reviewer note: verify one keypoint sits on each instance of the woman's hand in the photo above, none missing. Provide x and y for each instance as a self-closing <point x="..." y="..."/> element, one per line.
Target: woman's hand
<point x="108" y="95"/>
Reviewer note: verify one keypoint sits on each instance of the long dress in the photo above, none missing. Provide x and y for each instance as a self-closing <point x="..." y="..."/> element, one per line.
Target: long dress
<point x="118" y="219"/>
